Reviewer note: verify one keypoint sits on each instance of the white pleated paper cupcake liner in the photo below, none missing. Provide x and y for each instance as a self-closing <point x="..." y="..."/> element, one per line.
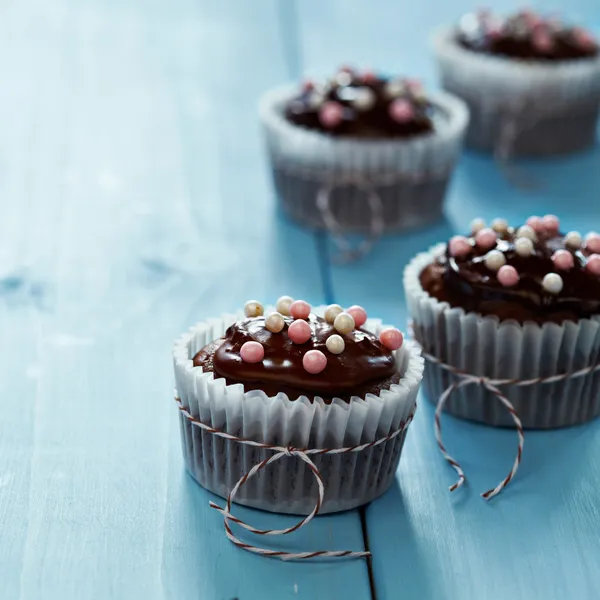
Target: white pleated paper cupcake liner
<point x="410" y="175"/>
<point x="484" y="346"/>
<point x="288" y="486"/>
<point x="552" y="106"/>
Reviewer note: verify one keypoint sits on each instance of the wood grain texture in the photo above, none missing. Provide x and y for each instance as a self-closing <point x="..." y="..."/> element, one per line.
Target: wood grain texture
<point x="135" y="202"/>
<point x="538" y="539"/>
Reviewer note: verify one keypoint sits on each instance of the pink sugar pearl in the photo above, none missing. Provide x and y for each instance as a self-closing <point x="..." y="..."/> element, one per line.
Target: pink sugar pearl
<point x="401" y="111"/>
<point x="314" y="361"/>
<point x="299" y="309"/>
<point x="308" y="85"/>
<point x="593" y="264"/>
<point x="551" y="223"/>
<point x="584" y="39"/>
<point x="592" y="242"/>
<point x="391" y="338"/>
<point x="331" y="114"/>
<point x="299" y="332"/>
<point x="359" y="314"/>
<point x="252" y="352"/>
<point x="486" y="238"/>
<point x="532" y="19"/>
<point x="369" y="76"/>
<point x="508" y="276"/>
<point x="459" y="246"/>
<point x="541" y="40"/>
<point x="413" y="84"/>
<point x="536" y="223"/>
<point x="563" y="260"/>
<point x="494" y="31"/>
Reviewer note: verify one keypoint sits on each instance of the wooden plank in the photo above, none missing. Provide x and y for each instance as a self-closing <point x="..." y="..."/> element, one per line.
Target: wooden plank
<point x="136" y="201"/>
<point x="539" y="538"/>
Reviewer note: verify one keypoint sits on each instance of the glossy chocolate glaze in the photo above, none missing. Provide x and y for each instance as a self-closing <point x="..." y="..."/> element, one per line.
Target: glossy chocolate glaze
<point x="375" y="122"/>
<point x="525" y="35"/>
<point x="365" y="366"/>
<point x="469" y="284"/>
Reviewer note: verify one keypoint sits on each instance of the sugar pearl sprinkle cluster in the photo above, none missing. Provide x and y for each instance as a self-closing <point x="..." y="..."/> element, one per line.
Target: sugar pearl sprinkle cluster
<point x="485" y="238"/>
<point x="344" y="322"/>
<point x="540" y="29"/>
<point x="402" y="93"/>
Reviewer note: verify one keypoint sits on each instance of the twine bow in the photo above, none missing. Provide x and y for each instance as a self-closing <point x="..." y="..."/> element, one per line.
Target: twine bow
<point x="492" y="385"/>
<point x="279" y="453"/>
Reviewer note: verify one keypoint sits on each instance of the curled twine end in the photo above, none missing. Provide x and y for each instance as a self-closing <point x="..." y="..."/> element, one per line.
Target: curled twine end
<point x="281" y="452"/>
<point x="458" y="484"/>
<point x="465" y="379"/>
<point x="492" y="385"/>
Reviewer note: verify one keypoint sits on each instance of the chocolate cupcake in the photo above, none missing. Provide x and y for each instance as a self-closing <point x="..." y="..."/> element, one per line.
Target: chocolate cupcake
<point x="532" y="83"/>
<point x="514" y="303"/>
<point x="363" y="148"/>
<point x="296" y="377"/>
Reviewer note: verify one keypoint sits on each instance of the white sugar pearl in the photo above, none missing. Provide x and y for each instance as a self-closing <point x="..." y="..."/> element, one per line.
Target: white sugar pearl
<point x="419" y="95"/>
<point x="494" y="259"/>
<point x="316" y="100"/>
<point x="335" y="344"/>
<point x="524" y="246"/>
<point x="500" y="225"/>
<point x="344" y="323"/>
<point x="283" y="305"/>
<point x="253" y="308"/>
<point x="573" y="239"/>
<point x="477" y="225"/>
<point x="552" y="283"/>
<point x="527" y="232"/>
<point x="333" y="310"/>
<point x="364" y="99"/>
<point x="394" y="88"/>
<point x="274" y="322"/>
<point x="343" y="78"/>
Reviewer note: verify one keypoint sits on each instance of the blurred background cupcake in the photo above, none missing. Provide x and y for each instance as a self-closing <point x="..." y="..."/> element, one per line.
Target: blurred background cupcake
<point x="532" y="82"/>
<point x="511" y="303"/>
<point x="362" y="147"/>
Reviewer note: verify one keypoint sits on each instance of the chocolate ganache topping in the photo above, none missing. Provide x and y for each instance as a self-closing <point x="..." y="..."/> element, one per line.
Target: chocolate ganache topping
<point x="525" y="35"/>
<point x="295" y="352"/>
<point x="364" y="105"/>
<point x="529" y="273"/>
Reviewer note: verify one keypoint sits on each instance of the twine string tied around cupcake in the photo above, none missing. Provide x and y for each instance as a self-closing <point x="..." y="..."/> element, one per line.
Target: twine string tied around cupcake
<point x="348" y="253"/>
<point x="372" y="197"/>
<point x="333" y="217"/>
<point x="492" y="385"/>
<point x="513" y="126"/>
<point x="521" y="115"/>
<point x="279" y="453"/>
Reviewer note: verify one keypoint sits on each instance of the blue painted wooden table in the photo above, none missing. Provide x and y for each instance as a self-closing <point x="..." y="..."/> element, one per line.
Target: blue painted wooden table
<point x="134" y="202"/>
